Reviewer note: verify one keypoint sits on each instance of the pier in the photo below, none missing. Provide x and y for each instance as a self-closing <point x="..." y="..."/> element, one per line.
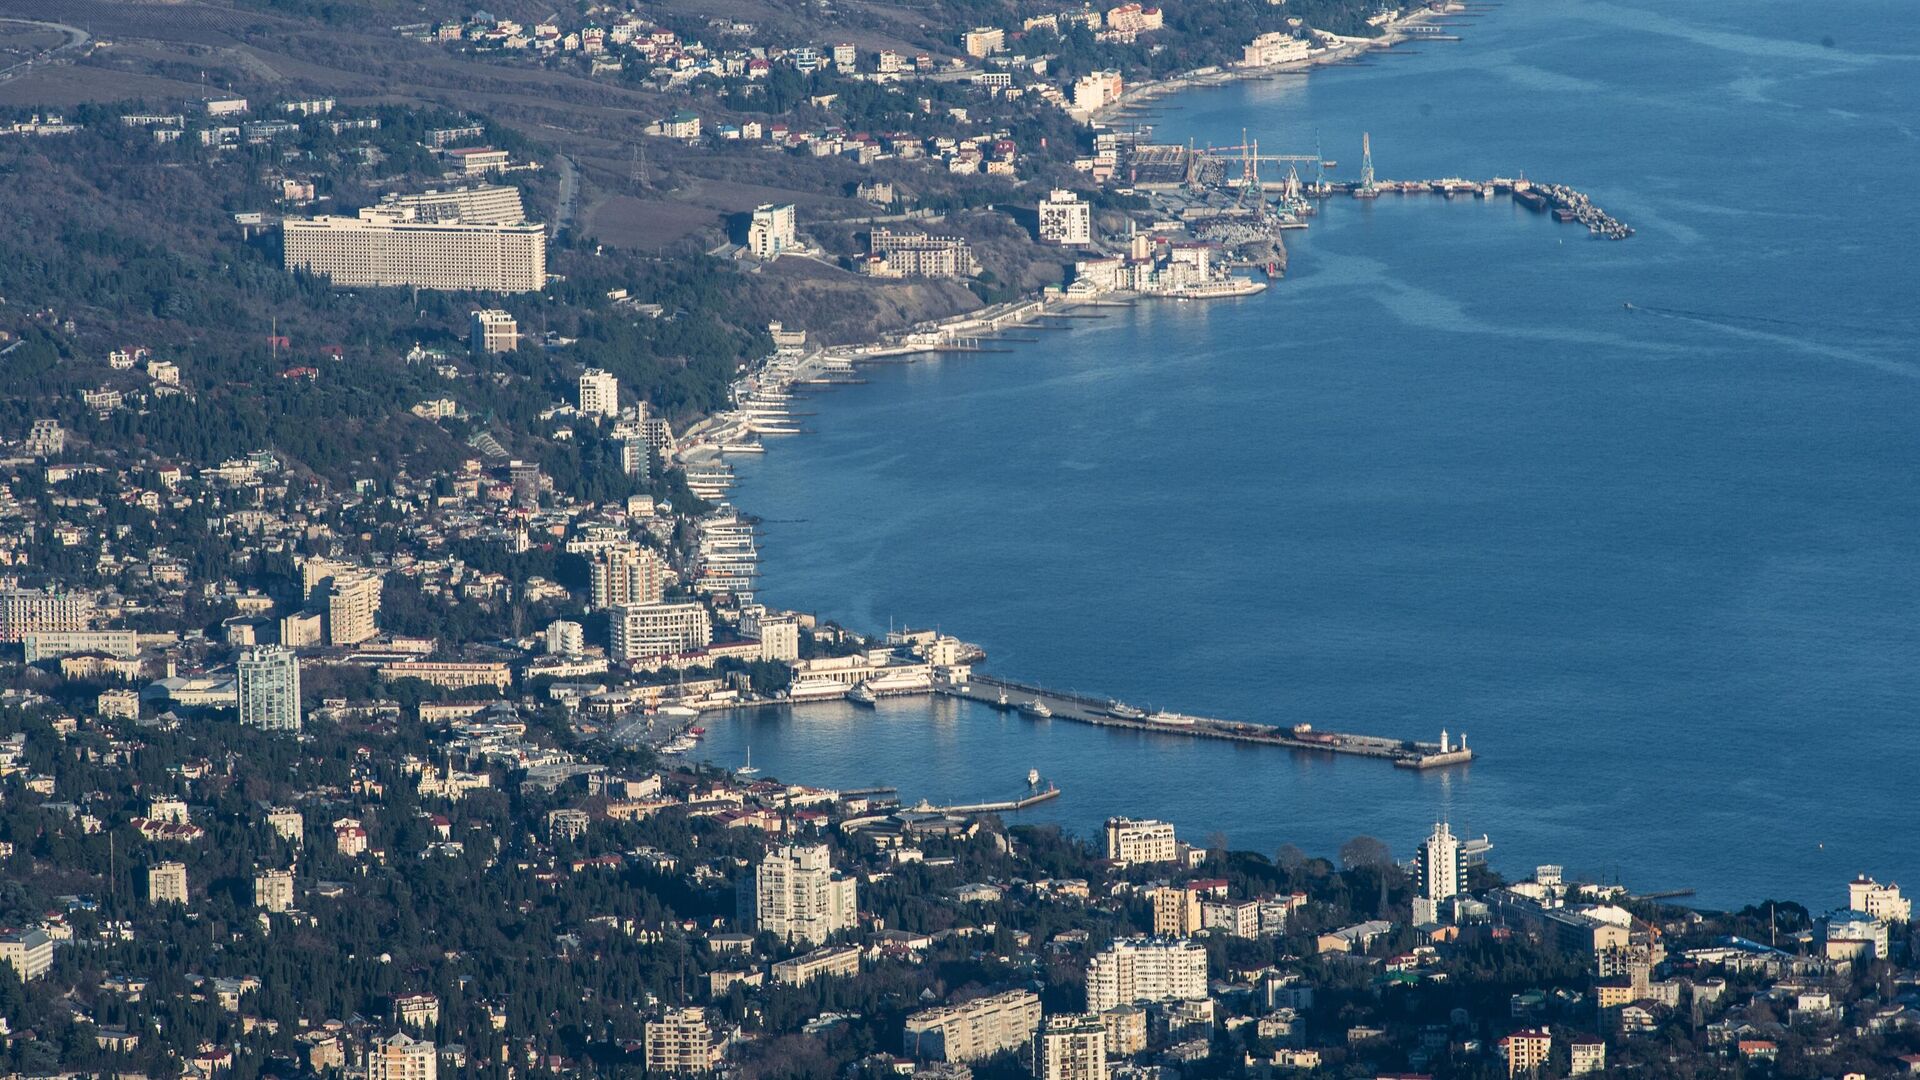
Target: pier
<point x="1005" y="806"/>
<point x="1080" y="709"/>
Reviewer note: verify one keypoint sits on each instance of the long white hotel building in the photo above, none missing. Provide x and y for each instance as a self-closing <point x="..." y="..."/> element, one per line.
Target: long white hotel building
<point x="393" y="246"/>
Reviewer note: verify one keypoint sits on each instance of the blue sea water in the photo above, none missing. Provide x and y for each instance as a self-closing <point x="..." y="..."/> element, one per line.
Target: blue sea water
<point x="1661" y="566"/>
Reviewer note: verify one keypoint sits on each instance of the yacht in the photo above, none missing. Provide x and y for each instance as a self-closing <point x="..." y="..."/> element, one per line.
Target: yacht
<point x="747" y="769"/>
<point x="1036" y="708"/>
<point x="1033" y="777"/>
<point x="861" y="695"/>
<point x="1120" y="710"/>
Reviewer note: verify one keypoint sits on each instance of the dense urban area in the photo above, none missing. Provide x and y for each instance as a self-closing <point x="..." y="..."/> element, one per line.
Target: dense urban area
<point x="368" y="378"/>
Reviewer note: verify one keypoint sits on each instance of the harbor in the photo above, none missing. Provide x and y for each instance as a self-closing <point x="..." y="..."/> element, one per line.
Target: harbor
<point x="1043" y="704"/>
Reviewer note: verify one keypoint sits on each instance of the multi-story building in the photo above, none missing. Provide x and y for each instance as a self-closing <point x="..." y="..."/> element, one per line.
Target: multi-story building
<point x="1525" y="1051"/>
<point x="1126" y="1030"/>
<point x="1146" y="969"/>
<point x="567" y="824"/>
<point x="31" y="611"/>
<point x="1588" y="1055"/>
<point x="273" y="890"/>
<point x="599" y="393"/>
<point x="46" y="439"/>
<point x="1096" y="91"/>
<point x="394" y="248"/>
<point x="973" y="1030"/>
<point x="772" y="230"/>
<point x="167" y="883"/>
<point x="30" y="952"/>
<point x="1070" y="1046"/>
<point x="835" y="962"/>
<point x="626" y="574"/>
<point x="353" y="599"/>
<point x="565" y="638"/>
<point x="778" y="635"/>
<point x="1273" y="48"/>
<point x="681" y="1042"/>
<point x="983" y="41"/>
<point x="642" y="631"/>
<point x="1854" y="933"/>
<point x="1176" y="911"/>
<point x="451" y="675"/>
<point x="1439" y="869"/>
<point x="796" y="896"/>
<point x="1877" y="900"/>
<point x="1241" y="918"/>
<point x="1066" y="218"/>
<point x="1130" y="841"/>
<point x="483" y="204"/>
<point x="419" y="1011"/>
<point x="269" y="688"/>
<point x="494" y="331"/>
<point x="50" y="644"/>
<point x="900" y="254"/>
<point x="402" y="1057"/>
<point x="287" y="824"/>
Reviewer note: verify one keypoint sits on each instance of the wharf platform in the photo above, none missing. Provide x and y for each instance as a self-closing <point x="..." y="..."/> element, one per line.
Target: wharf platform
<point x="1081" y="709"/>
<point x="1052" y="791"/>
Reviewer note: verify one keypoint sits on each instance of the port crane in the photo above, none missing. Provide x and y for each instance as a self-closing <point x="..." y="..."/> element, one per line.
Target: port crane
<point x="1252" y="187"/>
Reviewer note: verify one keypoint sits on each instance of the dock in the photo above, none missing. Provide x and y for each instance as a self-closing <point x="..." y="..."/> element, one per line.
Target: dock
<point x="1081" y="709"/>
<point x="1052" y="791"/>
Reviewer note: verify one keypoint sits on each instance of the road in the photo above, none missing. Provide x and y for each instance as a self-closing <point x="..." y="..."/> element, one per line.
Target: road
<point x="76" y="39"/>
<point x="569" y="195"/>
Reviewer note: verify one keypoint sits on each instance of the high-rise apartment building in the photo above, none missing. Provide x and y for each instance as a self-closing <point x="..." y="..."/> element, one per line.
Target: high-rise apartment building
<point x="796" y="896"/>
<point x="269" y="688"/>
<point x="1066" y="218"/>
<point x="680" y="1041"/>
<point x="353" y="600"/>
<point x="644" y="631"/>
<point x="599" y="393"/>
<point x="494" y="331"/>
<point x="1439" y="866"/>
<point x="392" y="247"/>
<point x="772" y="231"/>
<point x="1176" y="911"/>
<point x="1130" y="841"/>
<point x="1146" y="969"/>
<point x="1071" y="1046"/>
<point x="273" y="890"/>
<point x="402" y="1057"/>
<point x="973" y="1030"/>
<point x="31" y="611"/>
<point x="167" y="883"/>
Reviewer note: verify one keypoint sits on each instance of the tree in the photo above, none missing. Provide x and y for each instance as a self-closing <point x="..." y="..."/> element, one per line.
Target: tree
<point x="1364" y="852"/>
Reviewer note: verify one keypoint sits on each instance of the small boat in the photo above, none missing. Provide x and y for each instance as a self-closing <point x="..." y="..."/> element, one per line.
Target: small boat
<point x="861" y="695"/>
<point x="1120" y="710"/>
<point x="1036" y="708"/>
<point x="1033" y="777"/>
<point x="1003" y="703"/>
<point x="748" y="769"/>
<point x="696" y="732"/>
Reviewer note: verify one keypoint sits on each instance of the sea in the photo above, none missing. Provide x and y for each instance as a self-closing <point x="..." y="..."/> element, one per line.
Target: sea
<point x="1658" y="564"/>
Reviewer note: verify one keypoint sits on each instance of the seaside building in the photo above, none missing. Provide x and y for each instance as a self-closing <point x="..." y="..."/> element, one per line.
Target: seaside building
<point x="494" y="331"/>
<point x="392" y="247"/>
<point x="896" y="254"/>
<point x="167" y="883"/>
<point x="796" y="896"/>
<point x="973" y="1030"/>
<point x="1071" y="1046"/>
<point x="1146" y="841"/>
<point x="1877" y="900"/>
<point x="626" y="574"/>
<point x="1066" y="219"/>
<point x="1146" y="969"/>
<point x="1438" y="866"/>
<point x="1096" y="91"/>
<point x="772" y="230"/>
<point x="1273" y="48"/>
<point x="643" y="631"/>
<point x="599" y="393"/>
<point x="269" y="688"/>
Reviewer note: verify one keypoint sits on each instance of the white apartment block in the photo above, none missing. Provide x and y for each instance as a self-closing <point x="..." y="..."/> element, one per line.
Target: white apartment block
<point x="31" y="611"/>
<point x="681" y="1042"/>
<point x="481" y="204"/>
<point x="30" y="952"/>
<point x="973" y="1030"/>
<point x="1880" y="901"/>
<point x="402" y="1057"/>
<point x="626" y="574"/>
<point x="797" y="897"/>
<point x="565" y="638"/>
<point x="1130" y="841"/>
<point x="772" y="230"/>
<point x="494" y="331"/>
<point x="352" y="602"/>
<point x="1071" y="1046"/>
<point x="837" y="962"/>
<point x="983" y="41"/>
<point x="391" y="248"/>
<point x="599" y="393"/>
<point x="167" y="883"/>
<point x="1146" y="969"/>
<point x="273" y="890"/>
<point x="643" y="631"/>
<point x="269" y="688"/>
<point x="1066" y="218"/>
